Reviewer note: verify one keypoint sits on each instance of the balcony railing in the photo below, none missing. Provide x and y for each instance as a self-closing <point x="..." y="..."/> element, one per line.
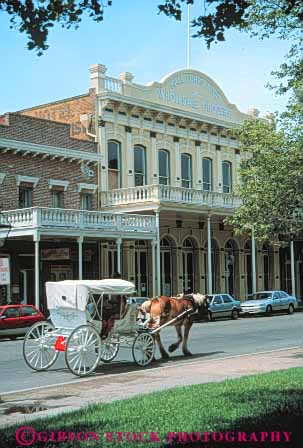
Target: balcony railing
<point x="166" y="193"/>
<point x="39" y="217"/>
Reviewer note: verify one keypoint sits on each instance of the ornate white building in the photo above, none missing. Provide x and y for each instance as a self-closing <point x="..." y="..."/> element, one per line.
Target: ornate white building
<point x="166" y="150"/>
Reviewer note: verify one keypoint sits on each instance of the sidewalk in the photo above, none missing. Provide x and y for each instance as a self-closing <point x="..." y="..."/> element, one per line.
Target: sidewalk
<point x="110" y="387"/>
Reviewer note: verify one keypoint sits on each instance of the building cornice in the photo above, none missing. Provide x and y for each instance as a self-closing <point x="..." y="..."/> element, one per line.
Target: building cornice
<point x="155" y="107"/>
<point x="34" y="148"/>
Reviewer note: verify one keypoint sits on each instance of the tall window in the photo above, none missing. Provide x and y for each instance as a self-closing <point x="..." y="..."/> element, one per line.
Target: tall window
<point x="207" y="174"/>
<point x="86" y="201"/>
<point x="227" y="177"/>
<point x="114" y="165"/>
<point x="25" y="197"/>
<point x="186" y="170"/>
<point x="57" y="198"/>
<point x="140" y="165"/>
<point x="164" y="169"/>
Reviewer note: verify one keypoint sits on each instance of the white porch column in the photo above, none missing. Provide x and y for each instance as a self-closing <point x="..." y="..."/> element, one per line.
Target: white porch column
<point x="209" y="266"/>
<point x="118" y="244"/>
<point x="80" y="256"/>
<point x="158" y="254"/>
<point x="292" y="268"/>
<point x="253" y="261"/>
<point x="154" y="244"/>
<point x="37" y="270"/>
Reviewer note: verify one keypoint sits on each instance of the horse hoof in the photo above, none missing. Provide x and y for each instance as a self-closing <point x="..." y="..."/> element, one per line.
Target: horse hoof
<point x="172" y="348"/>
<point x="164" y="356"/>
<point x="187" y="353"/>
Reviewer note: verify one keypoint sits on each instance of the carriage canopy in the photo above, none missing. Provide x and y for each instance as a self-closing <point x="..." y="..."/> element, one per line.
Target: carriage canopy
<point x="75" y="293"/>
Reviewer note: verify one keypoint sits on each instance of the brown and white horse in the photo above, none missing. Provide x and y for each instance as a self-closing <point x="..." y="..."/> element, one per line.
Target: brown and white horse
<point x="164" y="309"/>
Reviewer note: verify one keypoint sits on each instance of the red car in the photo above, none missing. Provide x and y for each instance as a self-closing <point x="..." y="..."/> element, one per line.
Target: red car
<point x="15" y="320"/>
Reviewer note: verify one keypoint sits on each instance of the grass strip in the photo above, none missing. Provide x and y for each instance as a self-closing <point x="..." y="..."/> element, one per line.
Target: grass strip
<point x="259" y="403"/>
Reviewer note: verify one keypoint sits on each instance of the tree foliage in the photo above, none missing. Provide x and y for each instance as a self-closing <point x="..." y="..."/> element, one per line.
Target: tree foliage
<point x="270" y="182"/>
<point x="260" y="17"/>
<point x="35" y="18"/>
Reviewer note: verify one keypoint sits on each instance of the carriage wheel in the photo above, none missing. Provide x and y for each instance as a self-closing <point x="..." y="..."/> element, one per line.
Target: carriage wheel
<point x="109" y="350"/>
<point x="38" y="346"/>
<point x="83" y="350"/>
<point x="143" y="349"/>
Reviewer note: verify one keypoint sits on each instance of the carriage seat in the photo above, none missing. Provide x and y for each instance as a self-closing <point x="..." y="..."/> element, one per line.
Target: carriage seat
<point x="127" y="325"/>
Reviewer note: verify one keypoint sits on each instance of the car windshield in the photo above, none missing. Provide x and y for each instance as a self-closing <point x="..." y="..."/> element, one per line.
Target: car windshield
<point x="262" y="295"/>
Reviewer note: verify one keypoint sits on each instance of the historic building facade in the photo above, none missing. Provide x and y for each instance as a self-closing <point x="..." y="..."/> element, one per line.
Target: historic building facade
<point x="164" y="151"/>
<point x="48" y="195"/>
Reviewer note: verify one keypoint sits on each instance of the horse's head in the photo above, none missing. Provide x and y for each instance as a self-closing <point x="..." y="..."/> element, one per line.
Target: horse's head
<point x="145" y="307"/>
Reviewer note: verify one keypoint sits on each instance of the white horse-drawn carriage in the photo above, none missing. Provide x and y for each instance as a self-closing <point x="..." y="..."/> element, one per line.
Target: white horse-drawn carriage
<point x="89" y="321"/>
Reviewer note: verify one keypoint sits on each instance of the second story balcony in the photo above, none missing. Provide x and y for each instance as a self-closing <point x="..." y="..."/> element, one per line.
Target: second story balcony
<point x="151" y="197"/>
<point x="74" y="223"/>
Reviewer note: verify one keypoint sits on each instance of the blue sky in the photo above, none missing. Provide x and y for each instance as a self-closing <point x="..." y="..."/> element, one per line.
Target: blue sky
<point x="134" y="38"/>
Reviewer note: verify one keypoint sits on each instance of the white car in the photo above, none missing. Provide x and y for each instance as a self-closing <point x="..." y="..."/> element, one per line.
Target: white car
<point x="266" y="302"/>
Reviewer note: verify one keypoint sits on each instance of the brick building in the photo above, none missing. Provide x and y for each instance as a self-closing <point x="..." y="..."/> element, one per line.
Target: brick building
<point x="48" y="193"/>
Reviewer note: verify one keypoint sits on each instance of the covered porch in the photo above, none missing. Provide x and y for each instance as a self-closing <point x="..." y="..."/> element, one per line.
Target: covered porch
<point x="70" y="239"/>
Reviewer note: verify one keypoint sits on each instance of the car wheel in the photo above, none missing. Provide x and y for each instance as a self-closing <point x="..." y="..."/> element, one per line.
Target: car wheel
<point x="291" y="309"/>
<point x="234" y="314"/>
<point x="209" y="316"/>
<point x="268" y="310"/>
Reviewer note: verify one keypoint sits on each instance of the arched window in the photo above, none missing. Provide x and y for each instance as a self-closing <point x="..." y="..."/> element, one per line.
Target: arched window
<point x="164" y="168"/>
<point x="140" y="165"/>
<point x="207" y="171"/>
<point x="186" y="170"/>
<point x="114" y="164"/>
<point x="227" y="177"/>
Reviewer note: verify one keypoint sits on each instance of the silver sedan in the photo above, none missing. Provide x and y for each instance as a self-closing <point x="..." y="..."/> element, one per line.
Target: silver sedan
<point x="266" y="302"/>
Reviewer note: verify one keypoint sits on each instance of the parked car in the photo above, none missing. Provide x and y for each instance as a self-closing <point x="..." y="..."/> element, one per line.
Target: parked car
<point x="138" y="301"/>
<point x="223" y="305"/>
<point x="15" y="320"/>
<point x="266" y="302"/>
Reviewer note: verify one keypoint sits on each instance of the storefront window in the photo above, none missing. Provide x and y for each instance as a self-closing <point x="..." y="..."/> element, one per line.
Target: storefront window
<point x="57" y="199"/>
<point x="140" y="165"/>
<point x="207" y="174"/>
<point x="227" y="177"/>
<point x="114" y="165"/>
<point x="186" y="170"/>
<point x="86" y="201"/>
<point x="164" y="168"/>
<point x="25" y="197"/>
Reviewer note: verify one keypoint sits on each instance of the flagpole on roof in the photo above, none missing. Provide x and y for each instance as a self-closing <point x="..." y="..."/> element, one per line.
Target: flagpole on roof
<point x="188" y="35"/>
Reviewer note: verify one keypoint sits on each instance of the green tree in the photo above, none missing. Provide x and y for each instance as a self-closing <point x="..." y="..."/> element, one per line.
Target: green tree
<point x="270" y="182"/>
<point x="260" y="17"/>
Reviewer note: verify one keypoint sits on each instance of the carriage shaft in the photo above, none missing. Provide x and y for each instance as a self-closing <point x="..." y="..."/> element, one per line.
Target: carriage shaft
<point x="172" y="321"/>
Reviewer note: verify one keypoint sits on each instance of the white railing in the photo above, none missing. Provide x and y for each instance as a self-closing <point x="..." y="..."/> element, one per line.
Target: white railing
<point x="39" y="217"/>
<point x="112" y="85"/>
<point x="167" y="193"/>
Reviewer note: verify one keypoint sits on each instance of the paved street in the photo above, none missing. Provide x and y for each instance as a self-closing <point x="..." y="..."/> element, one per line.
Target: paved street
<point x="212" y="340"/>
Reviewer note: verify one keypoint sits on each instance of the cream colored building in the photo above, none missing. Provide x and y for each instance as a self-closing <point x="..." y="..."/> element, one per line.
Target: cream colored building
<point x="166" y="150"/>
